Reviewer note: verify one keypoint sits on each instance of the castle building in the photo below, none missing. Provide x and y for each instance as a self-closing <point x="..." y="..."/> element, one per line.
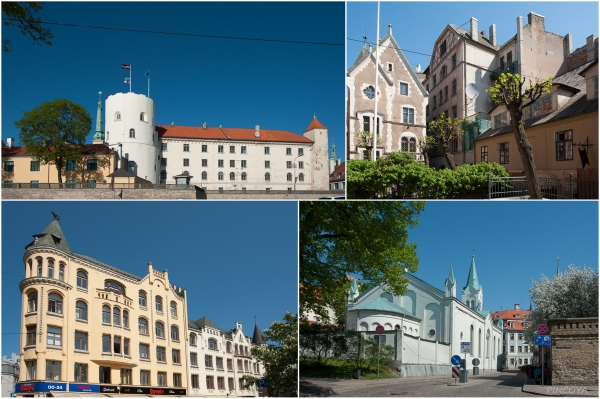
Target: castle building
<point x="89" y="327"/>
<point x="427" y="325"/>
<point x="219" y="359"/>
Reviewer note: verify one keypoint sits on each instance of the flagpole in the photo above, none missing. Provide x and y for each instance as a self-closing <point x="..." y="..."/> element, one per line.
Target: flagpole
<point x="148" y="84"/>
<point x="130" y="78"/>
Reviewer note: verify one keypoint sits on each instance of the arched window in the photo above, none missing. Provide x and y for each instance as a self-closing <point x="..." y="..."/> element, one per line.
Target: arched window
<point x="301" y="177"/>
<point x="82" y="279"/>
<point x="267" y="176"/>
<point x="142" y="117"/>
<point x="174" y="333"/>
<point x="236" y="349"/>
<point x="106" y="314"/>
<point x="32" y="302"/>
<point x="204" y="175"/>
<point x="220" y="176"/>
<point x="163" y="174"/>
<point x="80" y="310"/>
<point x="39" y="267"/>
<point x="118" y="116"/>
<point x="50" y="268"/>
<point x="143" y="326"/>
<point x="159" y="307"/>
<point x="132" y="133"/>
<point x="404" y="143"/>
<point x="160" y="329"/>
<point x="412" y="144"/>
<point x="125" y="319"/>
<point x="244" y="177"/>
<point x="142" y="299"/>
<point x="212" y="344"/>
<point x="61" y="271"/>
<point x="173" y="309"/>
<point x="397" y="327"/>
<point x="246" y="350"/>
<point x="114" y="287"/>
<point x="193" y="339"/>
<point x="289" y="177"/>
<point x="55" y="303"/>
<point x="228" y="347"/>
<point x="472" y="338"/>
<point x="232" y="176"/>
<point x="116" y="316"/>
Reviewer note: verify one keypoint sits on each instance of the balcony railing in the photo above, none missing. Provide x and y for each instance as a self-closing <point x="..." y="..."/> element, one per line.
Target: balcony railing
<point x="512" y="68"/>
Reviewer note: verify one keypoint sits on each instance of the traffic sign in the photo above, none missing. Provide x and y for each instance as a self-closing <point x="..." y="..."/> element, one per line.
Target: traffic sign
<point x="455" y="371"/>
<point x="542" y="329"/>
<point x="455" y="360"/>
<point x="465" y="347"/>
<point x="543" y="340"/>
<point x="379" y="330"/>
<point x="475" y="362"/>
<point x="261" y="383"/>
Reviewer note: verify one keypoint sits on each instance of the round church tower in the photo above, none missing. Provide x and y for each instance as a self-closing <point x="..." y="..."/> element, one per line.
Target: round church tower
<point x="130" y="122"/>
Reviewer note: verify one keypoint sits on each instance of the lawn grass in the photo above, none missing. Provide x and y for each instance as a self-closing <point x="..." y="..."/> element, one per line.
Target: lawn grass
<point x="335" y="368"/>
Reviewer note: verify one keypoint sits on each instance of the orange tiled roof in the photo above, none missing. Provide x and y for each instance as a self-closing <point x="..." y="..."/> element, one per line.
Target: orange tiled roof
<point x="226" y="133"/>
<point x="87" y="149"/>
<point x="509" y="315"/>
<point x="315" y="124"/>
<point x="341" y="168"/>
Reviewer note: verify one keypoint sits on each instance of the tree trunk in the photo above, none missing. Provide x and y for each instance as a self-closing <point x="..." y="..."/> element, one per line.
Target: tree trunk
<point x="526" y="152"/>
<point x="447" y="155"/>
<point x="58" y="163"/>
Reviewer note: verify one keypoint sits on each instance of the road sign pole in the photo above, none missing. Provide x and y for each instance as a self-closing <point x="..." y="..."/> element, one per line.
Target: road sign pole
<point x="542" y="366"/>
<point x="378" y="357"/>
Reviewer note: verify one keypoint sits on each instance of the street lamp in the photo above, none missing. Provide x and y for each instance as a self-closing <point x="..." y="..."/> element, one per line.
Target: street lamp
<point x="295" y="192"/>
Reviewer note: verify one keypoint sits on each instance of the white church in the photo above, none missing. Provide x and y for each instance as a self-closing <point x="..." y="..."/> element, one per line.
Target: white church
<point x="427" y="325"/>
<point x="216" y="158"/>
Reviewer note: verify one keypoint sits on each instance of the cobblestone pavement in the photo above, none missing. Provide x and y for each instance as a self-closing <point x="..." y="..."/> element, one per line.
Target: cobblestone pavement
<point x="495" y="384"/>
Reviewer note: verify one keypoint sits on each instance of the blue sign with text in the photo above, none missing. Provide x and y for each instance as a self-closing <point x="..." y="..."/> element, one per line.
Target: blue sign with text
<point x="542" y="340"/>
<point x="24" y="387"/>
<point x="83" y="387"/>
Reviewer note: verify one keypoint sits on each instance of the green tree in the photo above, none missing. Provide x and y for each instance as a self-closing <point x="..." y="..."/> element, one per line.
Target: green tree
<point x="570" y="294"/>
<point x="280" y="358"/>
<point x="24" y="14"/>
<point x="509" y="90"/>
<point x="445" y="130"/>
<point x="426" y="144"/>
<point x="363" y="352"/>
<point x="341" y="238"/>
<point x="365" y="140"/>
<point x="55" y="131"/>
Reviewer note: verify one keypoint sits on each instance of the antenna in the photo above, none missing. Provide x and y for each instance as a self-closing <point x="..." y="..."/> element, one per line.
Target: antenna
<point x="472" y="91"/>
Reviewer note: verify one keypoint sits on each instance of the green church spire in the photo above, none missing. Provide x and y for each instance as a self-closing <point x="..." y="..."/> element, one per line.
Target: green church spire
<point x="333" y="154"/>
<point x="473" y="280"/>
<point x="99" y="134"/>
<point x="451" y="276"/>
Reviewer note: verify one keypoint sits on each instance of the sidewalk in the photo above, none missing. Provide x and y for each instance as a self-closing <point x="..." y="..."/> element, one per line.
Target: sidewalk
<point x="549" y="390"/>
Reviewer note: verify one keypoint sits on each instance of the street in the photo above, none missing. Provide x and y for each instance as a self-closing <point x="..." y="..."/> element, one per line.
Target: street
<point x="505" y="384"/>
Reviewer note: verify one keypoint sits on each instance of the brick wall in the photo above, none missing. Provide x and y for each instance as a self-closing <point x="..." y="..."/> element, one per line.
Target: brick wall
<point x="149" y="194"/>
<point x="574" y="351"/>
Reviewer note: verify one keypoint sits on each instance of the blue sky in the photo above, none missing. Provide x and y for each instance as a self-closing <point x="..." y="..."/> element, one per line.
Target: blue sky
<point x="236" y="260"/>
<point x="513" y="240"/>
<point x="234" y="83"/>
<point x="417" y="25"/>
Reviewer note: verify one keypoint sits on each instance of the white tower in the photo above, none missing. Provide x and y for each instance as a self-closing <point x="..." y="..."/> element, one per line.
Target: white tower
<point x="472" y="294"/>
<point x="130" y="121"/>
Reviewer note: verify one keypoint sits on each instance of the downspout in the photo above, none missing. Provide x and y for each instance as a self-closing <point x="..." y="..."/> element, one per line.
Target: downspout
<point x="464" y="88"/>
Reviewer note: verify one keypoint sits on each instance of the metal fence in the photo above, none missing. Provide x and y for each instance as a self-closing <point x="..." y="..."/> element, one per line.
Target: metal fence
<point x="117" y="186"/>
<point x="552" y="188"/>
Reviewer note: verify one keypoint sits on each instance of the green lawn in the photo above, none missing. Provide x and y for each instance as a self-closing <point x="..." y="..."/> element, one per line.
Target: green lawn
<point x="335" y="368"/>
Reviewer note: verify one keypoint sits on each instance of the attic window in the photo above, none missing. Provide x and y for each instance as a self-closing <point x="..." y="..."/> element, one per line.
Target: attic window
<point x="443" y="48"/>
<point x="390" y="66"/>
<point x="56" y="239"/>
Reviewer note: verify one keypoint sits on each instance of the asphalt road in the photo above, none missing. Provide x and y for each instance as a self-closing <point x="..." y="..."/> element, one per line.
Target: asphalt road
<point x="495" y="384"/>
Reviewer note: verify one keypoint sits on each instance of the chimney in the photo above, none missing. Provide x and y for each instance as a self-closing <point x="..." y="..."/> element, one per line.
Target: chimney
<point x="482" y="33"/>
<point x="589" y="48"/>
<point x="172" y="123"/>
<point x="517" y="306"/>
<point x="493" y="34"/>
<point x="257" y="131"/>
<point x="390" y="29"/>
<point x="473" y="30"/>
<point x="10" y="142"/>
<point x="204" y="125"/>
<point x="568" y="44"/>
<point x="536" y="21"/>
<point x="418" y="68"/>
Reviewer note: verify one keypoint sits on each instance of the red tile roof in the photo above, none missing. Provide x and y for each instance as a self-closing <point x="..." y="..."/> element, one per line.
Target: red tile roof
<point x="87" y="149"/>
<point x="509" y="315"/>
<point x="341" y="168"/>
<point x="226" y="133"/>
<point x="315" y="124"/>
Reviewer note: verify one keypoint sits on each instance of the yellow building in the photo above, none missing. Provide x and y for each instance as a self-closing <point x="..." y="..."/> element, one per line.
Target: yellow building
<point x="89" y="327"/>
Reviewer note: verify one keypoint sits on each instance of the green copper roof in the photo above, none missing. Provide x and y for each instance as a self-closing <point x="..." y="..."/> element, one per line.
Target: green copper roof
<point x="353" y="287"/>
<point x="52" y="236"/>
<point x="382" y="304"/>
<point x="472" y="280"/>
<point x="451" y="276"/>
<point x="99" y="134"/>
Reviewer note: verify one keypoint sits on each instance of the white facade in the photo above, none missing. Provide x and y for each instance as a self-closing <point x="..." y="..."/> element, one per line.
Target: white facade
<point x="130" y="122"/>
<point x="10" y="374"/>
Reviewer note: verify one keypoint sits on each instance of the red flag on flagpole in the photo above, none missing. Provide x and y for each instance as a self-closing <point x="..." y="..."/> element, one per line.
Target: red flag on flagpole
<point x="125" y="66"/>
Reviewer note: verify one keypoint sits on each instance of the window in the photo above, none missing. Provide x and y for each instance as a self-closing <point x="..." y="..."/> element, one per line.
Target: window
<point x="173" y="309"/>
<point x="186" y="147"/>
<point x="210" y="382"/>
<point x="289" y="177"/>
<point x="80" y="310"/>
<point x="404" y="89"/>
<point x="230" y="364"/>
<point x="220" y="149"/>
<point x="204" y="148"/>
<point x="231" y="384"/>
<point x="267" y="176"/>
<point x="231" y="163"/>
<point x="163" y="161"/>
<point x="208" y="361"/>
<point x="106" y="314"/>
<point x="221" y="382"/>
<point x="160" y="354"/>
<point x="55" y="303"/>
<point x="162" y="379"/>
<point x="163" y="146"/>
<point x="143" y="325"/>
<point x="126" y="347"/>
<point x="176" y="380"/>
<point x="300" y="165"/>
<point x="239" y="365"/>
<point x="444" y="72"/>
<point x="176" y="358"/>
<point x="520" y="337"/>
<point x="186" y="162"/>
<point x="30" y="337"/>
<point x="564" y="145"/>
<point x="446" y="93"/>
<point x="195" y="381"/>
<point x="390" y="66"/>
<point x="509" y="59"/>
<point x="267" y="164"/>
<point x="408" y="115"/>
<point x="31" y="366"/>
<point x="204" y="175"/>
<point x="484" y="153"/>
<point x="125" y="376"/>
<point x="81" y="371"/>
<point x="454" y="61"/>
<point x="32" y="302"/>
<point x="454" y="112"/>
<point x="443" y="48"/>
<point x="71" y="165"/>
<point x="300" y="151"/>
<point x="434" y="102"/>
<point x="61" y="272"/>
<point x="212" y="344"/>
<point x="52" y="370"/>
<point x="117" y="344"/>
<point x="113" y="286"/>
<point x="220" y="163"/>
<point x="243" y="149"/>
<point x="193" y="359"/>
<point x="159" y="307"/>
<point x="104" y="375"/>
<point x="512" y="348"/>
<point x="595" y="78"/>
<point x="220" y="176"/>
<point x="220" y="363"/>
<point x="160" y="329"/>
<point x="34" y="166"/>
<point x="503" y="154"/>
<point x="144" y="351"/>
<point x="369" y="92"/>
<point x="9" y="166"/>
<point x="116" y="316"/>
<point x="301" y="177"/>
<point x="288" y="164"/>
<point x="142" y="299"/>
<point x="174" y="333"/>
<point x="267" y="150"/>
<point x="105" y="343"/>
<point x="288" y="151"/>
<point x="132" y="133"/>
<point x="163" y="174"/>
<point x="441" y="98"/>
<point x="228" y="346"/>
<point x="501" y="120"/>
<point x="50" y="268"/>
<point x="434" y="80"/>
<point x="205" y="162"/>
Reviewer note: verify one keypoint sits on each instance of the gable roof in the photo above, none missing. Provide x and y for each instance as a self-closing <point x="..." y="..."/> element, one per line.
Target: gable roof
<point x="479" y="39"/>
<point x="221" y="133"/>
<point x="315" y="124"/>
